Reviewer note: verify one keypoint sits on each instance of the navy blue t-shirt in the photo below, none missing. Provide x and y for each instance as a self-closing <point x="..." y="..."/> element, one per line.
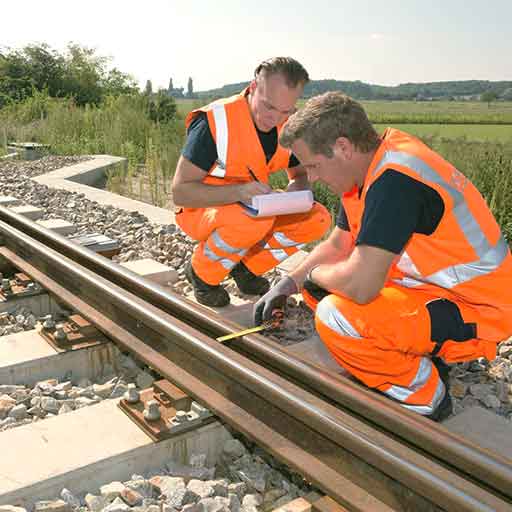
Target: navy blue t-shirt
<point x="201" y="150"/>
<point x="396" y="206"/>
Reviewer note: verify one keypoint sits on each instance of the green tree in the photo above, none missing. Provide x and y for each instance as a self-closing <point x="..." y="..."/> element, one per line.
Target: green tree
<point x="161" y="107"/>
<point x="148" y="90"/>
<point x="84" y="72"/>
<point x="488" y="97"/>
<point x="15" y="81"/>
<point x="116" y="82"/>
<point x="78" y="73"/>
<point x="46" y="68"/>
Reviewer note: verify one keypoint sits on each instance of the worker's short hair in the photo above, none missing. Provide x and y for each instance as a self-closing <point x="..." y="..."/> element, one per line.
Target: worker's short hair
<point x="325" y="118"/>
<point x="292" y="70"/>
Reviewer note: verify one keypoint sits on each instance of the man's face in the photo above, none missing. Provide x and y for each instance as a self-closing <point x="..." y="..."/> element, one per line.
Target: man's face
<point x="272" y="101"/>
<point x="334" y="172"/>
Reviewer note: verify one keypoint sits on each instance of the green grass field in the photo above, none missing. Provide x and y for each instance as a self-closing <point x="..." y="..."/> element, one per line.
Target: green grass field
<point x="471" y="132"/>
<point x="433" y="112"/>
<point x="471" y="120"/>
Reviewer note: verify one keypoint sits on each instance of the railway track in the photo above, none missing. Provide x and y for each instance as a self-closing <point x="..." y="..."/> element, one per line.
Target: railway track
<point x="363" y="451"/>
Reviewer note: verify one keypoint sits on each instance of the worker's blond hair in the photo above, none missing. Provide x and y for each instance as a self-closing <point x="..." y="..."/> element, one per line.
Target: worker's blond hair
<point x="325" y="118"/>
<point x="292" y="71"/>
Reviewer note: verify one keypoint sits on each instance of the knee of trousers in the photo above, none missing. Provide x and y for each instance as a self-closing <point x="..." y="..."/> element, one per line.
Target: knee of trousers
<point x="245" y="231"/>
<point x="331" y="320"/>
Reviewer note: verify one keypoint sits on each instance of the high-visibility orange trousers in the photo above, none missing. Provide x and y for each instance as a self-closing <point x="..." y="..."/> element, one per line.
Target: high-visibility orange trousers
<point x="227" y="235"/>
<point x="387" y="345"/>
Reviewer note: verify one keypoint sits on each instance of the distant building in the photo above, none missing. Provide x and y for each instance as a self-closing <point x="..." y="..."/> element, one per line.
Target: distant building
<point x="176" y="92"/>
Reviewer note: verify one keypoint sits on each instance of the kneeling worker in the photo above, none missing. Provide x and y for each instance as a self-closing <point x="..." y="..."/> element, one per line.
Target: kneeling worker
<point x="231" y="149"/>
<point x="416" y="273"/>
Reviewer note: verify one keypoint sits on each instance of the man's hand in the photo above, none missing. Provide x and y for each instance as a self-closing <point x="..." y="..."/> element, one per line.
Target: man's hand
<point x="275" y="298"/>
<point x="254" y="188"/>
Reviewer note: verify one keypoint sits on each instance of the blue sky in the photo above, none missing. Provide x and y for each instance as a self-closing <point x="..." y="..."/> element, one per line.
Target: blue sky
<point x="220" y="42"/>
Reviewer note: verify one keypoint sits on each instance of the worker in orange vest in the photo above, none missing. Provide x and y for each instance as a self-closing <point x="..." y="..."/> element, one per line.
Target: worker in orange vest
<point x="231" y="150"/>
<point x="416" y="274"/>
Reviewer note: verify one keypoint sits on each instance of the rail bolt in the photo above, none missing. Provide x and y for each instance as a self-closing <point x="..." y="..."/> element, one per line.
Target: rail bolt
<point x="152" y="411"/>
<point x="48" y="323"/>
<point x="60" y="335"/>
<point x="132" y="396"/>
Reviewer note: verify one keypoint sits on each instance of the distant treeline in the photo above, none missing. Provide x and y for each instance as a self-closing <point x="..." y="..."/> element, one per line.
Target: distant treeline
<point x="466" y="89"/>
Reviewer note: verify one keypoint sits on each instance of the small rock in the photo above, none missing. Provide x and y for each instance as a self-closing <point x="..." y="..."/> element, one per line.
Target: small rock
<point x="233" y="449"/>
<point x="252" y="500"/>
<point x="11" y="508"/>
<point x="200" y="488"/>
<point x="492" y="401"/>
<point x="118" y="505"/>
<point x="52" y="506"/>
<point x="69" y="498"/>
<point x="95" y="503"/>
<point x="112" y="491"/>
<point x="19" y="412"/>
<point x="131" y="497"/>
<point x="49" y="404"/>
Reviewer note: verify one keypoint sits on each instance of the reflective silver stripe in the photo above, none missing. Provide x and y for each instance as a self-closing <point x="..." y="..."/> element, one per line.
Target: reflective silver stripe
<point x="451" y="276"/>
<point x="221" y="136"/>
<point x="225" y="262"/>
<point x="406" y="265"/>
<point x="424" y="410"/>
<point x="279" y="254"/>
<point x="464" y="272"/>
<point x="218" y="172"/>
<point x="402" y="393"/>
<point x="490" y="257"/>
<point x="439" y="394"/>
<point x="409" y="282"/>
<point x="434" y="404"/>
<point x="330" y="316"/>
<point x="221" y="244"/>
<point x="283" y="240"/>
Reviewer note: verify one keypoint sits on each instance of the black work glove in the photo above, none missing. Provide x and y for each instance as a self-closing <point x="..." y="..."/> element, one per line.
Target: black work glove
<point x="275" y="298"/>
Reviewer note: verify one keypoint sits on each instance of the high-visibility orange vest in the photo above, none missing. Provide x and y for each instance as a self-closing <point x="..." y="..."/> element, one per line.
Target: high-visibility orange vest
<point x="238" y="145"/>
<point x="466" y="258"/>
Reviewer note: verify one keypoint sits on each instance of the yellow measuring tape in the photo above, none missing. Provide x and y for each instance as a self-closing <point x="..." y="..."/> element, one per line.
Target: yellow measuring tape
<point x="273" y="323"/>
<point x="251" y="330"/>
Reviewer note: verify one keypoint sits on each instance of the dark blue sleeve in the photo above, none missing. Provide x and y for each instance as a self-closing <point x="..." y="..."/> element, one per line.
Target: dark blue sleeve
<point x="341" y="219"/>
<point x="294" y="161"/>
<point x="200" y="147"/>
<point x="396" y="206"/>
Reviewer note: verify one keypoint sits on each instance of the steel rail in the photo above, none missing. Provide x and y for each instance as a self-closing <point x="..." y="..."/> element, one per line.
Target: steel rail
<point x="354" y="497"/>
<point x="333" y="431"/>
<point x="454" y="450"/>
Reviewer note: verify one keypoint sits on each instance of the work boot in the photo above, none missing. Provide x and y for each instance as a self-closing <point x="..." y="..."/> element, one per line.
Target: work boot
<point x="207" y="294"/>
<point x="248" y="282"/>
<point x="445" y="408"/>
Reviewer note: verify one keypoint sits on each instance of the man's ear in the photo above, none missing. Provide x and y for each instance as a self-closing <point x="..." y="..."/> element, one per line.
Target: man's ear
<point x="252" y="86"/>
<point x="344" y="148"/>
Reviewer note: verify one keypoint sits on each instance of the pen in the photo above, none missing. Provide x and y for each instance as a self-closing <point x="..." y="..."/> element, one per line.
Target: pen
<point x="251" y="172"/>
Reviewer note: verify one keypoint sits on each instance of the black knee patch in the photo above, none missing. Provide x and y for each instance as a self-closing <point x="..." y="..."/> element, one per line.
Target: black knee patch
<point x="317" y="292"/>
<point x="446" y="323"/>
